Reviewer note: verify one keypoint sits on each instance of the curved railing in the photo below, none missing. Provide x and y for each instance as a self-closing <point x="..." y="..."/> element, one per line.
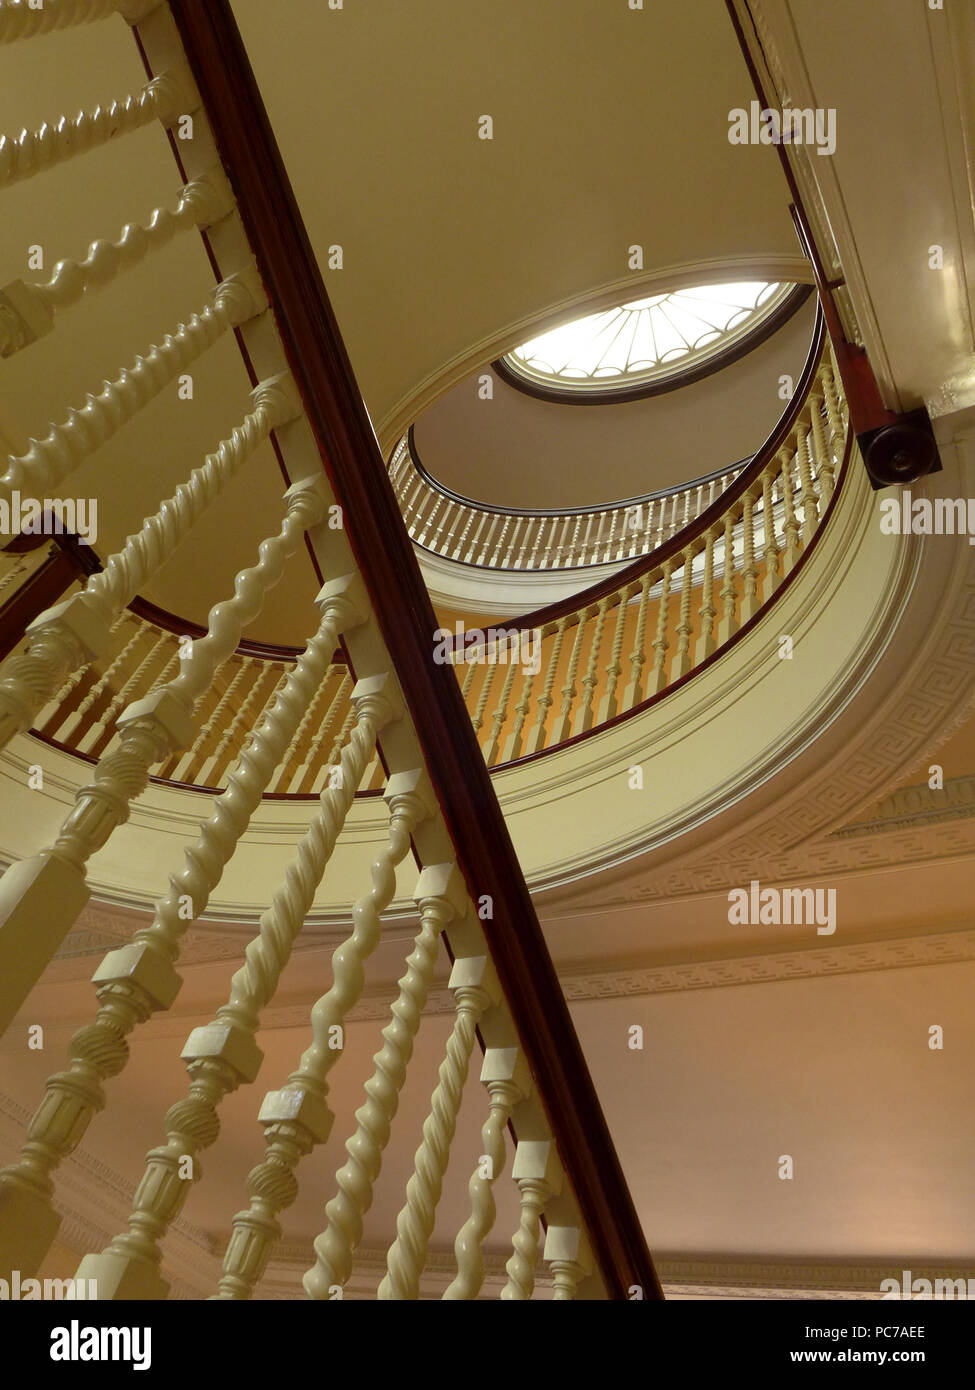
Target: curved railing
<point x="473" y="533"/>
<point x="671" y="612"/>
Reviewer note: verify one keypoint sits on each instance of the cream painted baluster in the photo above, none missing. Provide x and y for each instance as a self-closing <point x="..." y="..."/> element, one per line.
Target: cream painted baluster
<point x="166" y="98"/>
<point x="538" y="1173"/>
<point x="483" y="694"/>
<point x="140" y="978"/>
<point x="728" y="624"/>
<point x="462" y="538"/>
<point x="121" y="662"/>
<point x="311" y="763"/>
<point x="609" y="704"/>
<point x="770" y="542"/>
<point x="18" y="568"/>
<point x="536" y="739"/>
<point x="334" y="758"/>
<point x="51" y="887"/>
<point x="835" y="418"/>
<point x="705" y="642"/>
<point x="474" y="556"/>
<point x="203" y="202"/>
<point x="512" y="747"/>
<point x="749" y="598"/>
<point x="660" y="642"/>
<point x="264" y="687"/>
<point x="475" y="988"/>
<point x="493" y="562"/>
<point x="442" y="897"/>
<point x="584" y="713"/>
<point x="21" y="19"/>
<point x="509" y="560"/>
<point x="223" y="1054"/>
<point x="297" y="1117"/>
<point x="506" y="1077"/>
<point x="50" y="460"/>
<point x="215" y="717"/>
<point x="501" y="713"/>
<point x="570" y="1259"/>
<point x="633" y="693"/>
<point x="682" y="657"/>
<point x="283" y="778"/>
<point x="792" y="551"/>
<point x="82" y="622"/>
<point x="557" y="558"/>
<point x="807" y="495"/>
<point x="136" y="678"/>
<point x="58" y="701"/>
<point x="822" y="458"/>
<point x="560" y="730"/>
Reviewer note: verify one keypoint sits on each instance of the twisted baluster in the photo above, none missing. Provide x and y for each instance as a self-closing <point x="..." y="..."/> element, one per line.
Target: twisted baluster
<point x="93" y="736"/>
<point x="500" y="714"/>
<point x="475" y="988"/>
<point x="661" y="642"/>
<point x="770" y="544"/>
<point x="568" y="692"/>
<point x="214" y="718"/>
<point x="297" y="1117"/>
<point x="150" y="731"/>
<point x="705" y="642"/>
<point x="119" y="663"/>
<point x="536" y="738"/>
<point x="791" y="523"/>
<point x="136" y="980"/>
<point x="301" y="732"/>
<point x="512" y="748"/>
<point x="322" y="732"/>
<point x="20" y="20"/>
<point x="822" y="459"/>
<point x="165" y="98"/>
<point x="608" y="705"/>
<point x="633" y="693"/>
<point x="50" y="460"/>
<point x="728" y="624"/>
<point x="682" y="657"/>
<point x="202" y="202"/>
<point x="441" y="896"/>
<point x="807" y="495"/>
<point x="584" y="714"/>
<point x="268" y="682"/>
<point x="505" y="1074"/>
<point x="128" y="570"/>
<point x="482" y="698"/>
<point x="749" y="597"/>
<point x="57" y="702"/>
<point x="223" y="1054"/>
<point x="538" y="1174"/>
<point x="18" y="566"/>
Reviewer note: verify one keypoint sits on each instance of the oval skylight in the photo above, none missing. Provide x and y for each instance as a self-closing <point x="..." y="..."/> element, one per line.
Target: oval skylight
<point x="647" y="341"/>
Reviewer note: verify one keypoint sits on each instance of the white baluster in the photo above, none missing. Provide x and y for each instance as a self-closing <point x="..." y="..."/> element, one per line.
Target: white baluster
<point x="442" y="896"/>
<point x="570" y="1258"/>
<point x="538" y="1173"/>
<point x="505" y="1074"/>
<point x="475" y="988"/>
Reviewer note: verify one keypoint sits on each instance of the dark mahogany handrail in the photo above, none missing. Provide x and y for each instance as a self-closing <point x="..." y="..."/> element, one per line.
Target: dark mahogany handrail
<point x="357" y="472"/>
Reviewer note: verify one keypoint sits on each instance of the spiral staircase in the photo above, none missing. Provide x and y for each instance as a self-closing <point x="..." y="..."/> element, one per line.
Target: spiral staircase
<point x="263" y="746"/>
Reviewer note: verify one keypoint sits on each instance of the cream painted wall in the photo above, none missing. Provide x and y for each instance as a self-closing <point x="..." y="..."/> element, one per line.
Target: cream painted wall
<point x="518" y="451"/>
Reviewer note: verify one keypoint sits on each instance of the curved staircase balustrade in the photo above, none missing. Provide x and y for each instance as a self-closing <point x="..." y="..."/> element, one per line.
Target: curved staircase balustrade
<point x="509" y="538"/>
<point x="557" y="675"/>
<point x="142" y="703"/>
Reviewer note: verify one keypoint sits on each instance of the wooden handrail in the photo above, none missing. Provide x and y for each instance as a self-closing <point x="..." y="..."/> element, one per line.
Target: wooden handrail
<point x="699" y="525"/>
<point x="357" y="472"/>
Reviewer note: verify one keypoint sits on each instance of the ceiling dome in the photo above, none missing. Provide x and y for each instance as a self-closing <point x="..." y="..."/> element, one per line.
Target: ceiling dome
<point x="652" y="343"/>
